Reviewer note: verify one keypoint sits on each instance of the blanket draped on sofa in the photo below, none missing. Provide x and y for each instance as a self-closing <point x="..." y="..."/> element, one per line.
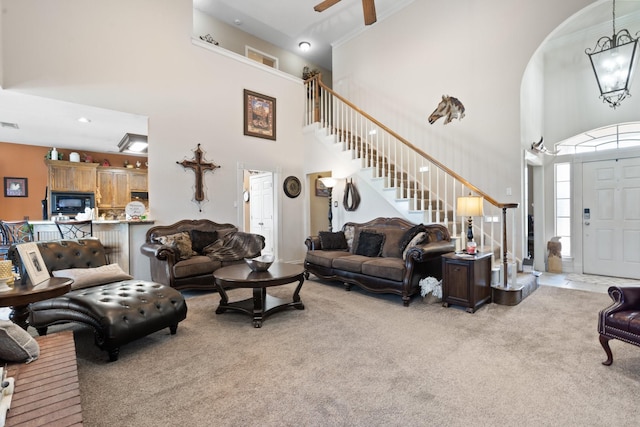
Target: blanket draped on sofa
<point x="235" y="247"/>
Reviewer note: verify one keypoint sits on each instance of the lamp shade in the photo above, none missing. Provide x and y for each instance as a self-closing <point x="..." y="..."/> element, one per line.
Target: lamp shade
<point x="470" y="206"/>
<point x="328" y="181"/>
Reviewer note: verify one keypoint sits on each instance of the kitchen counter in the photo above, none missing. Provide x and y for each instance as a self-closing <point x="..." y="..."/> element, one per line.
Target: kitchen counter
<point x="123" y="237"/>
<point x="99" y="221"/>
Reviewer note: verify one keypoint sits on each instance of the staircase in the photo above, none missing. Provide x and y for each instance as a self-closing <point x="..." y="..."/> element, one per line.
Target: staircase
<point x="422" y="189"/>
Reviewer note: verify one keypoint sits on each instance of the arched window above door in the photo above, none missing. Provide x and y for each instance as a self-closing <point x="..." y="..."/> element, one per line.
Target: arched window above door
<point x="621" y="135"/>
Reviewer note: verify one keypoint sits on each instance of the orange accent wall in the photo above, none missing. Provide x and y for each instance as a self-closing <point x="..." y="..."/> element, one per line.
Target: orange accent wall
<point x="27" y="161"/>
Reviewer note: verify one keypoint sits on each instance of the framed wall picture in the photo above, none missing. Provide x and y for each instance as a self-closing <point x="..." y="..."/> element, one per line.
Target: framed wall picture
<point x="259" y="115"/>
<point x="33" y="262"/>
<point x="15" y="187"/>
<point x="321" y="190"/>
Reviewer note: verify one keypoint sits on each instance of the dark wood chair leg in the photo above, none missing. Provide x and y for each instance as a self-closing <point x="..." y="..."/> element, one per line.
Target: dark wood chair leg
<point x="604" y="341"/>
<point x="113" y="354"/>
<point x="173" y="329"/>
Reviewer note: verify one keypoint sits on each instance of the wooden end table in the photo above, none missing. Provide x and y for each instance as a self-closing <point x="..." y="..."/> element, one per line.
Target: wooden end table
<point x="262" y="304"/>
<point x="22" y="295"/>
<point x="466" y="280"/>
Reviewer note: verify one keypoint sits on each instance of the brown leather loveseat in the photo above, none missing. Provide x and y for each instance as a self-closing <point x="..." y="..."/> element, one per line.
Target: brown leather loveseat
<point x="385" y="255"/>
<point x="184" y="255"/>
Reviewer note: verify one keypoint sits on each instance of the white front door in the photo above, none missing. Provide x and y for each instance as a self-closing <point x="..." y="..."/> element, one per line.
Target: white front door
<point x="611" y="218"/>
<point x="261" y="209"/>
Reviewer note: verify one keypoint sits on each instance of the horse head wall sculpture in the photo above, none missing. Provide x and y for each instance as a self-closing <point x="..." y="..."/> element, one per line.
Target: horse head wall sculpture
<point x="450" y="108"/>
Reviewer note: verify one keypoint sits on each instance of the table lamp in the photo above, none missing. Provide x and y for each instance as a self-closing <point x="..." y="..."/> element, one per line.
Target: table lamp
<point x="470" y="206"/>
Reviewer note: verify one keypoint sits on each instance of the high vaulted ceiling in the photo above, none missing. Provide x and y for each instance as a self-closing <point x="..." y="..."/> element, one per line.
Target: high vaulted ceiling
<point x="285" y="23"/>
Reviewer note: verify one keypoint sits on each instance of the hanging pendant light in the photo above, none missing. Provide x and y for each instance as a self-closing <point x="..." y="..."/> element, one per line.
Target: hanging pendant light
<point x="613" y="61"/>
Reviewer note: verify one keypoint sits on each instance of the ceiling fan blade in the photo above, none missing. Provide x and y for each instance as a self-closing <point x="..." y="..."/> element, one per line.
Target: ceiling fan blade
<point x="326" y="4"/>
<point x="369" y="9"/>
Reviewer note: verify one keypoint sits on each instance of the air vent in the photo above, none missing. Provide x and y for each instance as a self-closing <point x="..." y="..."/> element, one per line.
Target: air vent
<point x="9" y="125"/>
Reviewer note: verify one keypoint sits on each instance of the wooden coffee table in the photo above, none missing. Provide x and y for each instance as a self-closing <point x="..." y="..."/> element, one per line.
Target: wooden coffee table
<point x="262" y="304"/>
<point x="22" y="295"/>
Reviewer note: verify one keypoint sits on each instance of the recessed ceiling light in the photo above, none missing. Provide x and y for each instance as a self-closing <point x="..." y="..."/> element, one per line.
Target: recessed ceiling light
<point x="237" y="21"/>
<point x="84" y="120"/>
<point x="304" y="46"/>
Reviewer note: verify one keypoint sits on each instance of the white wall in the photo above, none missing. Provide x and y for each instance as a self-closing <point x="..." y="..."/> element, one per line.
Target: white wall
<point x="138" y="57"/>
<point x="474" y="50"/>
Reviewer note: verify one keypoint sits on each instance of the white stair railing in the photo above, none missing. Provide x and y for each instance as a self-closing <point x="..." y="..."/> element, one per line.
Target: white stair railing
<point x="430" y="187"/>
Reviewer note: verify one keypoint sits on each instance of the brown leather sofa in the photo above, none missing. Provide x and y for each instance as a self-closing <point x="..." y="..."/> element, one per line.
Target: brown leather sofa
<point x="397" y="266"/>
<point x="212" y="246"/>
<point x="120" y="309"/>
<point x="621" y="320"/>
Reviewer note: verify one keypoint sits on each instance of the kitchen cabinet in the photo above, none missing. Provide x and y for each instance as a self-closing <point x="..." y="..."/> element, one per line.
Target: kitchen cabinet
<point x="71" y="176"/>
<point x="138" y="180"/>
<point x="113" y="188"/>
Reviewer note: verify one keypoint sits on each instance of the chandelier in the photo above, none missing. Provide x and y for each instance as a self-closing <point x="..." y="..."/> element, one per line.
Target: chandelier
<point x="612" y="60"/>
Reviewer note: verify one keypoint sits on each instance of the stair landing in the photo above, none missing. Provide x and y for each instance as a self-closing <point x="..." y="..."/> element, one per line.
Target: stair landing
<point x="514" y="294"/>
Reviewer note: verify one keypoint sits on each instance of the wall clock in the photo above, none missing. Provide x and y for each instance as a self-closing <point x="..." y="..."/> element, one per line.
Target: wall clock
<point x="292" y="186"/>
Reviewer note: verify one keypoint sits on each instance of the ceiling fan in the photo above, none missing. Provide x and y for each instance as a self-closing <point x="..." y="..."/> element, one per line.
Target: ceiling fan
<point x="368" y="8"/>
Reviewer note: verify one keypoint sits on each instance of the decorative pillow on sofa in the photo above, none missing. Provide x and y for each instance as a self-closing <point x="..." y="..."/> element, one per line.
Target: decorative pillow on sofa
<point x="349" y="234"/>
<point x="16" y="345"/>
<point x="410" y="234"/>
<point x="332" y="241"/>
<point x="417" y="239"/>
<point x="370" y="244"/>
<point x="202" y="239"/>
<point x="181" y="242"/>
<point x="87" y="277"/>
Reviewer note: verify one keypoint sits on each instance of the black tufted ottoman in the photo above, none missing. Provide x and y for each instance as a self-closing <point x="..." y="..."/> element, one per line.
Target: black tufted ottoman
<point x="119" y="312"/>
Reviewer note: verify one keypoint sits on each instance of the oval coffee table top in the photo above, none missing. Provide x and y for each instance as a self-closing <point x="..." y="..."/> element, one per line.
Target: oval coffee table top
<point x="240" y="275"/>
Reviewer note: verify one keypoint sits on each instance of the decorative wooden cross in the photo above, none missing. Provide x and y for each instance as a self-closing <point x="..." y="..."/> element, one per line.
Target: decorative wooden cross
<point x="199" y="167"/>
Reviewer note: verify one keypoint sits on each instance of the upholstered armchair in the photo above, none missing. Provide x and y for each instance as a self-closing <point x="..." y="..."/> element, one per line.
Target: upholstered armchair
<point x="621" y="320"/>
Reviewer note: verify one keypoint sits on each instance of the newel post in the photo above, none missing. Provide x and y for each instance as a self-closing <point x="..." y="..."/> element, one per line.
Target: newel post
<point x="504" y="243"/>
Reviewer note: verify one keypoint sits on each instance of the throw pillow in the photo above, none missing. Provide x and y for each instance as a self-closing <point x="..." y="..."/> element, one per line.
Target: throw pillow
<point x="202" y="239"/>
<point x="16" y="345"/>
<point x="370" y="244"/>
<point x="181" y="242"/>
<point x="417" y="239"/>
<point x="87" y="277"/>
<point x="332" y="241"/>
<point x="410" y="234"/>
<point x="349" y="232"/>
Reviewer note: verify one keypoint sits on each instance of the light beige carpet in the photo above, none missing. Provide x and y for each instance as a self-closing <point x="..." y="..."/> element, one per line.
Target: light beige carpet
<point x="356" y="359"/>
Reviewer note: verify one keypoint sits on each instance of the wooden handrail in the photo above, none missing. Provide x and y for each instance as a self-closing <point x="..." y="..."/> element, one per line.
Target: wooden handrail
<point x="489" y="199"/>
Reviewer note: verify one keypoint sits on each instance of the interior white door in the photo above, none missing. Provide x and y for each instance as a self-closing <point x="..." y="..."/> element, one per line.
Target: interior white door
<point x="611" y="218"/>
<point x="261" y="208"/>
